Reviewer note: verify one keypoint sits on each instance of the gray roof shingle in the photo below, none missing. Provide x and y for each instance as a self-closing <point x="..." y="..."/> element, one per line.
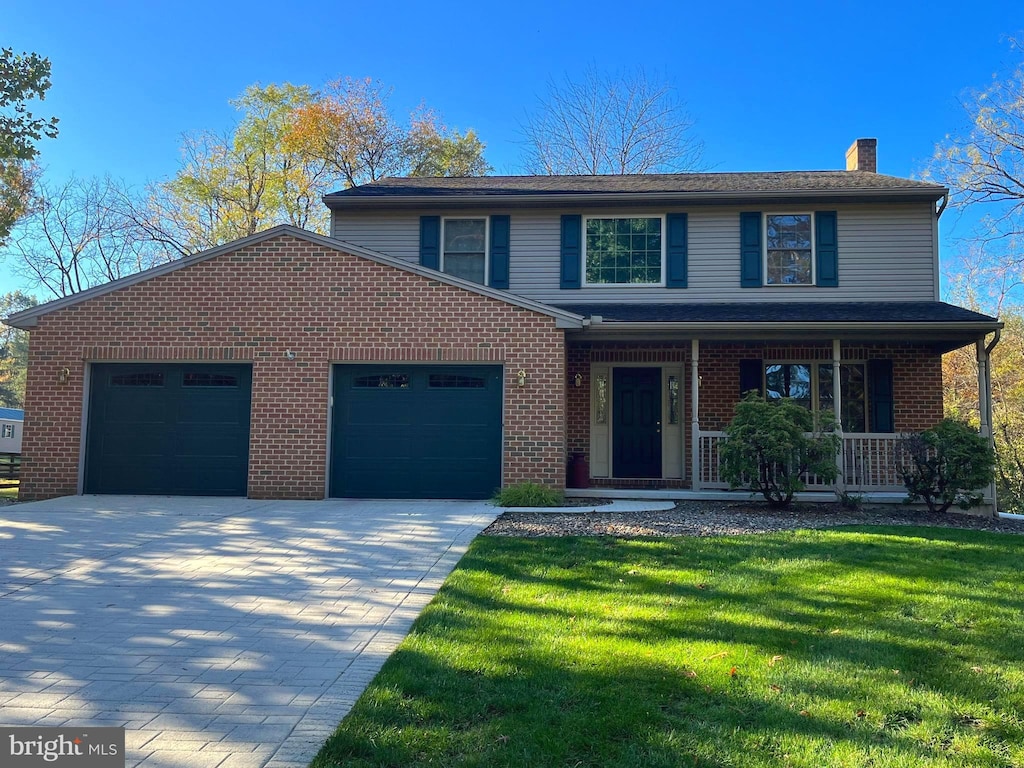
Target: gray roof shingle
<point x="673" y="183"/>
<point x="783" y="312"/>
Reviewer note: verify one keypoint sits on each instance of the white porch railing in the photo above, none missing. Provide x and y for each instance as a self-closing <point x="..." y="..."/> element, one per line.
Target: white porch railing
<point x="869" y="463"/>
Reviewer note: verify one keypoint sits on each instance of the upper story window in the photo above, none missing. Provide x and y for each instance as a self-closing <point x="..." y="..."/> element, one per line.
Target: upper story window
<point x="8" y="431"/>
<point x="624" y="251"/>
<point x="464" y="249"/>
<point x="789" y="249"/>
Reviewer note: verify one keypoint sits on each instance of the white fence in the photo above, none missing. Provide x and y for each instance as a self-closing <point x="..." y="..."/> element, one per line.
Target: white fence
<point x="870" y="463"/>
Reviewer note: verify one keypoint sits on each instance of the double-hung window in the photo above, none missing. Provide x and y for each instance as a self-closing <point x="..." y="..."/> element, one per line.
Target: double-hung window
<point x="789" y="249"/>
<point x="810" y="385"/>
<point x="624" y="250"/>
<point x="464" y="249"/>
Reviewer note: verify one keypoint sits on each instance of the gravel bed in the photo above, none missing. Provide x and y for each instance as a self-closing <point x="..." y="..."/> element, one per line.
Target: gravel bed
<point x="715" y="518"/>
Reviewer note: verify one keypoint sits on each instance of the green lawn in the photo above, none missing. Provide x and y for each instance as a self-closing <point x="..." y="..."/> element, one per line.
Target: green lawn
<point x="9" y="491"/>
<point x="882" y="647"/>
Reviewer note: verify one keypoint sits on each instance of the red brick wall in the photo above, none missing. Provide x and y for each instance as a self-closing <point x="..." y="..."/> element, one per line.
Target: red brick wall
<point x="288" y="294"/>
<point x="917" y="381"/>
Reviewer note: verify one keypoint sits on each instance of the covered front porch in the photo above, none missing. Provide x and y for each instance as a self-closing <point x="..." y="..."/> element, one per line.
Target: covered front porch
<point x="648" y="401"/>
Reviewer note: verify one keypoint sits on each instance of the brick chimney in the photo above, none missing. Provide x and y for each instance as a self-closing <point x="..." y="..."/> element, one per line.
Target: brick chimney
<point x="863" y="156"/>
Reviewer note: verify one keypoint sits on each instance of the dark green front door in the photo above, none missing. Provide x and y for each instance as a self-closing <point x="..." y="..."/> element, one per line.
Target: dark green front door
<point x="168" y="429"/>
<point x="407" y="431"/>
<point x="636" y="422"/>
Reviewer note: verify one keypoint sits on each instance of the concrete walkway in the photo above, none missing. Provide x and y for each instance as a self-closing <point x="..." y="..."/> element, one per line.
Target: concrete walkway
<point x="221" y="633"/>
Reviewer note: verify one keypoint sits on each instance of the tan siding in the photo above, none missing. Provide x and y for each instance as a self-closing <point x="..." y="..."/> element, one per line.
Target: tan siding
<point x="885" y="254"/>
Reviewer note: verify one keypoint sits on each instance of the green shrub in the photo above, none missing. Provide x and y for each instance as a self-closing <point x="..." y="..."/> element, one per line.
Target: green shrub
<point x="768" y="451"/>
<point x="946" y="465"/>
<point x="528" y="495"/>
<point x="852" y="502"/>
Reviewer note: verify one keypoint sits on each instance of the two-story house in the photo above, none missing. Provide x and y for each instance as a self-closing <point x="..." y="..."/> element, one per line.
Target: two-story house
<point x="454" y="335"/>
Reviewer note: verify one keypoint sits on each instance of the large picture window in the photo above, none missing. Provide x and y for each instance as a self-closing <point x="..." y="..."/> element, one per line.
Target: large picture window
<point x="810" y="386"/>
<point x="789" y="249"/>
<point x="624" y="251"/>
<point x="464" y="251"/>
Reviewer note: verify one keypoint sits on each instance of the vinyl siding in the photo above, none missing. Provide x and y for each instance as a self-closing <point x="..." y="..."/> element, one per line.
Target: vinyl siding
<point x="885" y="254"/>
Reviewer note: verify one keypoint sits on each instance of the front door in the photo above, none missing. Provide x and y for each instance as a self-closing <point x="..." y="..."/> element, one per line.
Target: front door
<point x="636" y="422"/>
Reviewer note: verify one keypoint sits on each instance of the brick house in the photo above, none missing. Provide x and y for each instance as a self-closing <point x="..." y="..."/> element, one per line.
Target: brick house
<point x="453" y="335"/>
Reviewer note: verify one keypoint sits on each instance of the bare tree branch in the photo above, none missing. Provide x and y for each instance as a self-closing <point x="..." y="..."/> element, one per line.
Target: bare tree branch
<point x="610" y="123"/>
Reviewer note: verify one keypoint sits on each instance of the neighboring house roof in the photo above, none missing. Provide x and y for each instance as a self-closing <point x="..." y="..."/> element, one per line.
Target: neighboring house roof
<point x="722" y="187"/>
<point x="12" y="414"/>
<point x="28" y="318"/>
<point x="894" y="312"/>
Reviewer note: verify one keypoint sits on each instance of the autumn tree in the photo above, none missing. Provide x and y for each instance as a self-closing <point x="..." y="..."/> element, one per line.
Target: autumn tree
<point x="983" y="165"/>
<point x="233" y="185"/>
<point x="622" y="122"/>
<point x="351" y="127"/>
<point x="23" y="77"/>
<point x="13" y="350"/>
<point x="432" y="149"/>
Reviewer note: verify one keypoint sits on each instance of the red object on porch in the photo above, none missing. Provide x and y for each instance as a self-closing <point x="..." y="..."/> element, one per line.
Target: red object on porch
<point x="579" y="472"/>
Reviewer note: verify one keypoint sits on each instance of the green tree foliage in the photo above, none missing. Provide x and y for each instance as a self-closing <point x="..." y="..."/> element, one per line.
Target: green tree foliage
<point x="23" y="77"/>
<point x="13" y="351"/>
<point x="291" y="146"/>
<point x="236" y="185"/>
<point x="946" y="465"/>
<point x="432" y="149"/>
<point x="769" y="447"/>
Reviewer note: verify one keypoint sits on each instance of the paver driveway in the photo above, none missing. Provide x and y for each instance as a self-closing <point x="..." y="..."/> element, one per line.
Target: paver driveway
<point x="219" y="632"/>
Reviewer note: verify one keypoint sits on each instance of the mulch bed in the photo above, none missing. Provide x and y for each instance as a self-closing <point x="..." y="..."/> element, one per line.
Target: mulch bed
<point x="716" y="518"/>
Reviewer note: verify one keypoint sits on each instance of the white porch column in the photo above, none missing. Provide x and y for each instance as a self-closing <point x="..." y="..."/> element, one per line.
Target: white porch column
<point x="694" y="417"/>
<point x="985" y="409"/>
<point x="837" y="407"/>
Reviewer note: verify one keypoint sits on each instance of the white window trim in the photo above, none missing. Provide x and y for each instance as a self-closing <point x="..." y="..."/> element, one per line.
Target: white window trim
<point x="583" y="249"/>
<point x="764" y="250"/>
<point x="487" y="243"/>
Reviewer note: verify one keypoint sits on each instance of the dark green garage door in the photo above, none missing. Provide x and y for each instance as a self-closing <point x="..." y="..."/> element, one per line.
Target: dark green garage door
<point x="169" y="429"/>
<point x="407" y="432"/>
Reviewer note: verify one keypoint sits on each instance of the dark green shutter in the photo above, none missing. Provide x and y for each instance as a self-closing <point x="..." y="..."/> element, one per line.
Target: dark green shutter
<point x="880" y="396"/>
<point x="751" y="376"/>
<point x="826" y="248"/>
<point x="675" y="276"/>
<point x="430" y="241"/>
<point x="750" y="250"/>
<point x="500" y="232"/>
<point x="572" y="253"/>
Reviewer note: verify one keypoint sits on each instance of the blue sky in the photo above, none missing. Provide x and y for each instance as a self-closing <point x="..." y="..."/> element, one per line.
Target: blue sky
<point x="772" y="85"/>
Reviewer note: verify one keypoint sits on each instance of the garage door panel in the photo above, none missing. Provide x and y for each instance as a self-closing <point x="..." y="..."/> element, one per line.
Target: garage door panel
<point x="180" y="429"/>
<point x="416" y="431"/>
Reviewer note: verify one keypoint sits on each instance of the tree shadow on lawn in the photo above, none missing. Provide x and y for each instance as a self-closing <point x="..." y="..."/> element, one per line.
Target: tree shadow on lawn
<point x="886" y="644"/>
